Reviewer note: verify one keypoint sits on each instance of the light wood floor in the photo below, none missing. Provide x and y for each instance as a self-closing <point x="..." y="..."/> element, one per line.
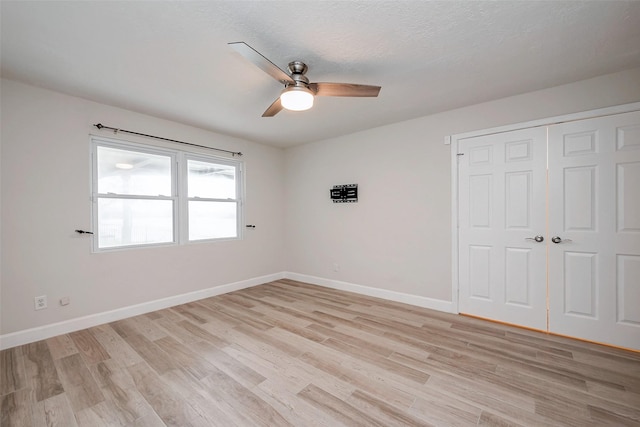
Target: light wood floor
<point x="288" y="353"/>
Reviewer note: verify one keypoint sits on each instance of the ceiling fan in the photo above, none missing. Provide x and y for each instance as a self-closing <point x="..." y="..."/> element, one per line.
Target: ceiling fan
<point x="298" y="92"/>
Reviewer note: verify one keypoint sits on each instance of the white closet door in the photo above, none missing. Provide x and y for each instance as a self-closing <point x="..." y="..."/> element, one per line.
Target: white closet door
<point x="502" y="201"/>
<point x="594" y="207"/>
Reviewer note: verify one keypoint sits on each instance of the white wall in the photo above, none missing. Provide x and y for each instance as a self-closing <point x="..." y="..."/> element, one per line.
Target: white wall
<point x="397" y="238"/>
<point x="45" y="197"/>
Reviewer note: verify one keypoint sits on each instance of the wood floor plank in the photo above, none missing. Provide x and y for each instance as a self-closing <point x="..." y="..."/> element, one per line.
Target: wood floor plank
<point x="185" y="358"/>
<point x="148" y="351"/>
<point x="493" y="420"/>
<point x="190" y="333"/>
<point x="267" y="364"/>
<point x="61" y="346"/>
<point x="625" y="403"/>
<point x="119" y="390"/>
<point x="170" y="406"/>
<point x="511" y="407"/>
<point x="569" y="415"/>
<point x="117" y="347"/>
<point x="200" y="312"/>
<point x="12" y="372"/>
<point x="360" y="377"/>
<point x="380" y="410"/>
<point x="223" y="387"/>
<point x="251" y="319"/>
<point x="365" y="345"/>
<point x="230" y="366"/>
<point x="151" y="420"/>
<point x="337" y="408"/>
<point x="600" y="391"/>
<point x="277" y="314"/>
<point x="79" y="385"/>
<point x="89" y="346"/>
<point x="289" y="353"/>
<point x="15" y="409"/>
<point x="42" y="375"/>
<point x="297" y="329"/>
<point x="306" y="373"/>
<point x="54" y="411"/>
<point x="103" y="413"/>
<point x="168" y="314"/>
<point x="213" y="411"/>
<point x="400" y="313"/>
<point x="279" y="305"/>
<point x="381" y="362"/>
<point x="605" y="417"/>
<point x="437" y="408"/>
<point x="147" y="327"/>
<point x="603" y="375"/>
<point x="269" y="340"/>
<point x="297" y="411"/>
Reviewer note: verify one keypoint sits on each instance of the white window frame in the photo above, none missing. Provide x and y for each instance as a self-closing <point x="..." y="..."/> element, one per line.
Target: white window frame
<point x="184" y="190"/>
<point x="179" y="190"/>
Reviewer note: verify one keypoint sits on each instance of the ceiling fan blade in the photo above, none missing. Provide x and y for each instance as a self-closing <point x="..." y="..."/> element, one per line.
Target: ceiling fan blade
<point x="273" y="109"/>
<point x="344" y="89"/>
<point x="263" y="63"/>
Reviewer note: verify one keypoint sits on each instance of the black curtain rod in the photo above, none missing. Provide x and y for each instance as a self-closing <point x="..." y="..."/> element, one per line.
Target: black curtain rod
<point x="116" y="130"/>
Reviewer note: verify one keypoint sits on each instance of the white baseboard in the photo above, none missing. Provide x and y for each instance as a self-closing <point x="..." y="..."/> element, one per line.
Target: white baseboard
<point x="47" y="331"/>
<point x="424" y="302"/>
<point x="43" y="332"/>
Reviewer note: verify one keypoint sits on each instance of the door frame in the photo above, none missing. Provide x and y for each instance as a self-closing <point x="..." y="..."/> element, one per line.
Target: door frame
<point x="454" y="140"/>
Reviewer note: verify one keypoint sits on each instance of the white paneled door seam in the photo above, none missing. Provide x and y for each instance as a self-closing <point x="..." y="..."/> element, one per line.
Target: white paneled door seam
<point x="549" y="228"/>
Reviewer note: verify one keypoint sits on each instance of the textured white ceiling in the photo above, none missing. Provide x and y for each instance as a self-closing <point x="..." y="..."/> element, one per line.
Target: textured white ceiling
<point x="171" y="59"/>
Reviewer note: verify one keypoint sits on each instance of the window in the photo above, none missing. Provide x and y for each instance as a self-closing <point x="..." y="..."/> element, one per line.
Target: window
<point x="146" y="196"/>
<point x="212" y="195"/>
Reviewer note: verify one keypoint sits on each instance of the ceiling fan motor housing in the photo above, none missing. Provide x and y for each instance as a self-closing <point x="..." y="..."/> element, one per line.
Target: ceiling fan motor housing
<point x="297" y="67"/>
<point x="297" y="70"/>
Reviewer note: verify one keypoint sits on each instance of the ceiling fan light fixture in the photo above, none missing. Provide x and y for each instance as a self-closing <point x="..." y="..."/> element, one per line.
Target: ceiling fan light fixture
<point x="298" y="92"/>
<point x="296" y="98"/>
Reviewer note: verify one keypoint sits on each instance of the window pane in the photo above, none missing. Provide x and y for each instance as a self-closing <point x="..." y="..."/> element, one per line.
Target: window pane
<point x="131" y="172"/>
<point x="211" y="180"/>
<point x="125" y="222"/>
<point x="212" y="220"/>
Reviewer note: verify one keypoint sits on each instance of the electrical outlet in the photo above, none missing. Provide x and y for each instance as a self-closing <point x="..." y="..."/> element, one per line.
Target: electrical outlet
<point x="40" y="302"/>
<point x="336" y="266"/>
<point x="65" y="301"/>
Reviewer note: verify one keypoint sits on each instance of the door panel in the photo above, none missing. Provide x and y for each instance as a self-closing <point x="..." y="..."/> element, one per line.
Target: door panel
<point x="579" y="198"/>
<point x="501" y="204"/>
<point x="480" y="272"/>
<point x="518" y="200"/>
<point x="628" y="291"/>
<point x="628" y="209"/>
<point x="581" y="283"/>
<point x="480" y="197"/>
<point x="594" y="206"/>
<point x="518" y="266"/>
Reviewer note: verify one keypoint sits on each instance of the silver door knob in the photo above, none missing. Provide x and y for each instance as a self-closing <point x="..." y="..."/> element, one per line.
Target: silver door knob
<point x="537" y="238"/>
<point x="558" y="239"/>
